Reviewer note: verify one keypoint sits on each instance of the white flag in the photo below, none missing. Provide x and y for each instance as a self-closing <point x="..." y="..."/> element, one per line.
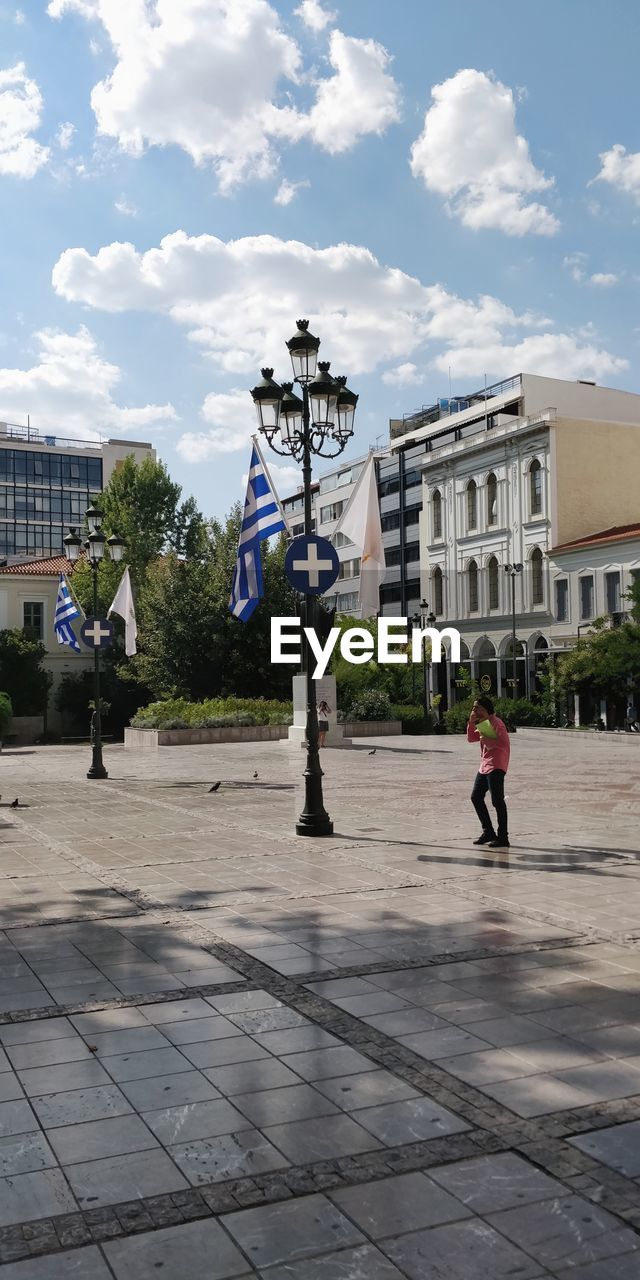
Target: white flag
<point x="123" y="606"/>
<point x="360" y="521"/>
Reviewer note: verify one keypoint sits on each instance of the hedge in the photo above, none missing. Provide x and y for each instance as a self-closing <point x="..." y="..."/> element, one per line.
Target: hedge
<point x="514" y="712"/>
<point x="214" y="713"/>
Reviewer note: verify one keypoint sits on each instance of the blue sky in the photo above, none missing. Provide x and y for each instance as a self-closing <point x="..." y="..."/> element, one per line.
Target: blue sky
<point x="435" y="185"/>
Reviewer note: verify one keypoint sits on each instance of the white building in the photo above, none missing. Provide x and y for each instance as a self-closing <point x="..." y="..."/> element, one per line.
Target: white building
<point x="541" y="464"/>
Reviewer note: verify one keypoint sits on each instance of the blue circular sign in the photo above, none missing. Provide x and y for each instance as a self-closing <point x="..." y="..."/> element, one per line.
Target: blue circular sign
<point x="97" y="633"/>
<point x="311" y="565"/>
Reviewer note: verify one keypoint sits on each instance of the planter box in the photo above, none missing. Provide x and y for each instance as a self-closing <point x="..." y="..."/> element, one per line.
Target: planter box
<point x="372" y="728"/>
<point x="24" y="730"/>
<point x="151" y="739"/>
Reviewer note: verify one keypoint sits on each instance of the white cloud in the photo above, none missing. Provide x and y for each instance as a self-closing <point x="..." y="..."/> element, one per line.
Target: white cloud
<point x="287" y="191"/>
<point x="604" y="279"/>
<point x="471" y="153"/>
<point x="125" y="207"/>
<point x="314" y="16"/>
<point x="239" y="300"/>
<point x="208" y="76"/>
<point x="621" y="169"/>
<point x="70" y="390"/>
<point x="64" y="136"/>
<point x="404" y="375"/>
<point x="20" y="114"/>
<point x="19" y="18"/>
<point x="576" y="263"/>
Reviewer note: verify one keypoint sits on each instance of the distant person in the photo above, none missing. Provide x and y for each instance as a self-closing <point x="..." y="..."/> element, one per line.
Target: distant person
<point x="631" y="717"/>
<point x="490" y="731"/>
<point x="324" y="711"/>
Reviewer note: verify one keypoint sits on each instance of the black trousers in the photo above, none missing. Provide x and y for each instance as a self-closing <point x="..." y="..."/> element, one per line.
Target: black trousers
<point x="493" y="782"/>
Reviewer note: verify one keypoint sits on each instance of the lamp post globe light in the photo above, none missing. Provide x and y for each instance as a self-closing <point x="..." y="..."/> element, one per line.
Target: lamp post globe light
<point x="96" y="547"/>
<point x="513" y="570"/>
<point x="319" y="422"/>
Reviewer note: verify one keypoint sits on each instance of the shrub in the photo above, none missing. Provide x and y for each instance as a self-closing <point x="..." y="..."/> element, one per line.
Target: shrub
<point x="214" y="713"/>
<point x="372" y="704"/>
<point x="6" y="712"/>
<point x="514" y="712"/>
<point x="412" y="718"/>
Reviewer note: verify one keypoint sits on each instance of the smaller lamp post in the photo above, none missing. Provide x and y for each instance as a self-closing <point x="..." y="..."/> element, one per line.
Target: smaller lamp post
<point x="513" y="570"/>
<point x="96" y="546"/>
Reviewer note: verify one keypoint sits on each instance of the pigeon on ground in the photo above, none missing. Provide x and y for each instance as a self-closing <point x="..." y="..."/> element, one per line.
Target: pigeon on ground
<point x="372" y="753"/>
<point x="255" y="774"/>
<point x="15" y="804"/>
<point x="214" y="787"/>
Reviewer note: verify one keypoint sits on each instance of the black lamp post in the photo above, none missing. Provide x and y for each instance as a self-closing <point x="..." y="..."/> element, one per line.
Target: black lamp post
<point x="424" y="619"/>
<point x="95" y="546"/>
<point x="513" y="570"/>
<point x="320" y="423"/>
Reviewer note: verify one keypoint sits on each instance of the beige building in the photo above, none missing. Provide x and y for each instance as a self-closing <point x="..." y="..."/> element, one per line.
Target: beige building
<point x="28" y="594"/>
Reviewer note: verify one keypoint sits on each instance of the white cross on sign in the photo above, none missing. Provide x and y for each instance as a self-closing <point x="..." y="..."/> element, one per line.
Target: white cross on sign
<point x="97" y="633"/>
<point x="312" y="565"/>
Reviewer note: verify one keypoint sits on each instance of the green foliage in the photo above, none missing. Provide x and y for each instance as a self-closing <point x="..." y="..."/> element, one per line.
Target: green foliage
<point x="633" y="596"/>
<point x="412" y="718"/>
<point x="606" y="663"/>
<point x="372" y="704"/>
<point x="6" y="712"/>
<point x="22" y="675"/>
<point x="513" y="711"/>
<point x="119" y="700"/>
<point x="214" y="713"/>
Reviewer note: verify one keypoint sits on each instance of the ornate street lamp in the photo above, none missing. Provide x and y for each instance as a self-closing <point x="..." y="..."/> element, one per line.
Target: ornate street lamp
<point x="320" y="422"/>
<point x="424" y="619"/>
<point x="96" y="548"/>
<point x="513" y="570"/>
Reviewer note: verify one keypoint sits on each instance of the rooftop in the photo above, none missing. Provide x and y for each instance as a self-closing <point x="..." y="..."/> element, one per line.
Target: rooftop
<point x="617" y="533"/>
<point x="50" y="567"/>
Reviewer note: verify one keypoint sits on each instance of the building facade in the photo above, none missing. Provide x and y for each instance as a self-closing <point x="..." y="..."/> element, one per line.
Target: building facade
<point x="47" y="483"/>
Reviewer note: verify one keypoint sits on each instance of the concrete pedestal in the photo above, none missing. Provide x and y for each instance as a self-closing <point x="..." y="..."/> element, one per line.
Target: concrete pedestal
<point x="325" y="691"/>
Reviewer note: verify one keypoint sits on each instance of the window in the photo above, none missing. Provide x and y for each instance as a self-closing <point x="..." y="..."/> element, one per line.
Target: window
<point x="391" y="521"/>
<point x="412" y="515"/>
<point x="586" y="597"/>
<point x="562" y="600"/>
<point x="437" y="591"/>
<point x="349" y="568"/>
<point x="341" y="540"/>
<point x="492" y="500"/>
<point x="348" y="602"/>
<point x="535" y="488"/>
<point x="436" y="507"/>
<point x="537" y="580"/>
<point x="494" y="583"/>
<point x="391" y="594"/>
<point x="612" y="587"/>
<point x="472" y="505"/>
<point x="388" y="486"/>
<point x="472" y="573"/>
<point x="412" y="478"/>
<point x="332" y="512"/>
<point x="33" y="619"/>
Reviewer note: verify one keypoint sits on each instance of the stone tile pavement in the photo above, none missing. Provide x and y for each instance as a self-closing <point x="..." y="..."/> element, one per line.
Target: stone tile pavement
<point x="229" y="1052"/>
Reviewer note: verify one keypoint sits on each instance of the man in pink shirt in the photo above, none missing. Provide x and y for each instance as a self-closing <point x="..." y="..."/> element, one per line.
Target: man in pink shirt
<point x="490" y="731"/>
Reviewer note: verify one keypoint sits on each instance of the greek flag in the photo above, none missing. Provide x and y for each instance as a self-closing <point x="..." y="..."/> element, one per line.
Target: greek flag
<point x="262" y="516"/>
<point x="66" y="610"/>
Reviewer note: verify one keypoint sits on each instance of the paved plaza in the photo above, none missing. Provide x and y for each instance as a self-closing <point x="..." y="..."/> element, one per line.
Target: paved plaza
<point x="230" y="1052"/>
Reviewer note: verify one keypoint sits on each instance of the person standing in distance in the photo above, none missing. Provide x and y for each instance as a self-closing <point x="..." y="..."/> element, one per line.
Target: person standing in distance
<point x="324" y="711"/>
<point x="490" y="731"/>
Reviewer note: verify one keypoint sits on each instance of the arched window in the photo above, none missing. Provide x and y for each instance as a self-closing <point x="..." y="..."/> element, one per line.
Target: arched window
<point x="492" y="499"/>
<point x="437" y="591"/>
<point x="494" y="583"/>
<point x="436" y="507"/>
<point x="472" y="573"/>
<point x="535" y="487"/>
<point x="537" y="582"/>
<point x="472" y="505"/>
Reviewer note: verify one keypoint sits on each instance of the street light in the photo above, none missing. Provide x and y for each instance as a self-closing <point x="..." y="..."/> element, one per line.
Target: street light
<point x="321" y="423"/>
<point x="424" y="619"/>
<point x="513" y="570"/>
<point x="97" y="547"/>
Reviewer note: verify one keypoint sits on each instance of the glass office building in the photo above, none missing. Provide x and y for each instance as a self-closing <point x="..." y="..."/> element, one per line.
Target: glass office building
<point x="41" y="494"/>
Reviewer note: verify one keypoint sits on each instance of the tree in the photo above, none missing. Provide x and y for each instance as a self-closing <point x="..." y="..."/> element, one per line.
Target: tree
<point x="142" y="505"/>
<point x="22" y="675"/>
<point x="606" y="662"/>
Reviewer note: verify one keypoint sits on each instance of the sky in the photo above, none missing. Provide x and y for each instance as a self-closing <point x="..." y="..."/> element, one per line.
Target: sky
<point x="446" y="189"/>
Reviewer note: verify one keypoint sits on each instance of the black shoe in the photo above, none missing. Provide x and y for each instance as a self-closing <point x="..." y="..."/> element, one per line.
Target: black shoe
<point x="499" y="844"/>
<point x="485" y="838"/>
